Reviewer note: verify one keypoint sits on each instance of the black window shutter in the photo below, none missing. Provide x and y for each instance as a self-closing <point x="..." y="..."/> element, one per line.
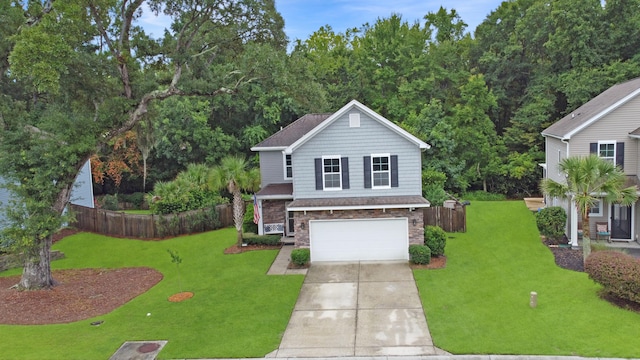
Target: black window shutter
<point x="344" y="162"/>
<point x="367" y="172"/>
<point x="593" y="148"/>
<point x="319" y="185"/>
<point x="394" y="170"/>
<point x="620" y="155"/>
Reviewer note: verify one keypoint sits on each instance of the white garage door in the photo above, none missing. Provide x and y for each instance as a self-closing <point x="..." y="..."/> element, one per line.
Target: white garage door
<point x="352" y="240"/>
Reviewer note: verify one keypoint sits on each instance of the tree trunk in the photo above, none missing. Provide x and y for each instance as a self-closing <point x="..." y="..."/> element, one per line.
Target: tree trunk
<point x="586" y="241"/>
<point x="238" y="214"/>
<point x="36" y="272"/>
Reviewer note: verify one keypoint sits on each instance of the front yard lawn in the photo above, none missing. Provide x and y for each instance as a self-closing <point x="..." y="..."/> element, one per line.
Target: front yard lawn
<point x="237" y="310"/>
<point x="479" y="303"/>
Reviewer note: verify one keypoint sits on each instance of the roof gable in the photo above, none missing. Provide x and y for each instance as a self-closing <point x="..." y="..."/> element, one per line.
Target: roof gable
<point x="594" y="110"/>
<point x="345" y="110"/>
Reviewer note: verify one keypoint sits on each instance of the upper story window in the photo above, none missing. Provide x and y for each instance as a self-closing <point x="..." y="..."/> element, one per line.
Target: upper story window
<point x="288" y="167"/>
<point x="331" y="174"/>
<point x="380" y="171"/>
<point x="607" y="151"/>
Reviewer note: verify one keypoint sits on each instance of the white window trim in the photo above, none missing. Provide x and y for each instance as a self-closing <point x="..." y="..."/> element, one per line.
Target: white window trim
<point x="284" y="166"/>
<point x="373" y="186"/>
<point x="599" y="213"/>
<point x="324" y="187"/>
<point x="608" y="142"/>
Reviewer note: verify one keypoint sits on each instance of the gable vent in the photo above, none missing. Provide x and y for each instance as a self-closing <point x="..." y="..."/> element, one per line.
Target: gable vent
<point x="354" y="120"/>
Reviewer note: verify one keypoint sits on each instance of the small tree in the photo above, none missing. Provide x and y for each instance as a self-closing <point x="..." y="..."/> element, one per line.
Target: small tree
<point x="586" y="180"/>
<point x="551" y="222"/>
<point x="176" y="259"/>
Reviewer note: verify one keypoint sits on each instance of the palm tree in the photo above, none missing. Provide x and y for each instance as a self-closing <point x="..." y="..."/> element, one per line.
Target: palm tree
<point x="587" y="180"/>
<point x="234" y="175"/>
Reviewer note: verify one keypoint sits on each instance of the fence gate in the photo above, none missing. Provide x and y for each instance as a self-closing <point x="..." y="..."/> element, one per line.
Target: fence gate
<point x="450" y="220"/>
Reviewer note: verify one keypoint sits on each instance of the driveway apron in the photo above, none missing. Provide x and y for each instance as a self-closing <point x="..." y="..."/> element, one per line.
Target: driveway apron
<point x="357" y="309"/>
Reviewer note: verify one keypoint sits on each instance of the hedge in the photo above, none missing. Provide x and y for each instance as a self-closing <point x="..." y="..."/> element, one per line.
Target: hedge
<point x="617" y="272"/>
<point x="253" y="239"/>
<point x="419" y="254"/>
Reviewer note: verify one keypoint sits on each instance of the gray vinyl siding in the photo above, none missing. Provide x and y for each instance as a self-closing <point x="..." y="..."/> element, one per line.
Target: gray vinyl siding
<point x="615" y="126"/>
<point x="354" y="143"/>
<point x="554" y="147"/>
<point x="81" y="193"/>
<point x="272" y="168"/>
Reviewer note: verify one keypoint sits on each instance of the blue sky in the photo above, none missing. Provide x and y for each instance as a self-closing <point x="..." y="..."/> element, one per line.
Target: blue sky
<point x="303" y="17"/>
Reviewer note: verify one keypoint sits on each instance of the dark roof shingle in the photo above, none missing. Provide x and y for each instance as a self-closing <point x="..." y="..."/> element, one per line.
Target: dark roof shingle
<point x="593" y="107"/>
<point x="294" y="131"/>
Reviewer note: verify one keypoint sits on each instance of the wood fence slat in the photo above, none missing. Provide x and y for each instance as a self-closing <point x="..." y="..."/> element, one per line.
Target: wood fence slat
<point x="450" y="220"/>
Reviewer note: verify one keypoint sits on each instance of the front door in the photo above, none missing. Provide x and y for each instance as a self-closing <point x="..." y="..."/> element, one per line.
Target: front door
<point x="290" y="224"/>
<point x="620" y="222"/>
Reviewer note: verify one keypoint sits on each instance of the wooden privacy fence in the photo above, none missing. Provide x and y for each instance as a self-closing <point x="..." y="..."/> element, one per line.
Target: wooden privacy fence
<point x="142" y="226"/>
<point x="450" y="220"/>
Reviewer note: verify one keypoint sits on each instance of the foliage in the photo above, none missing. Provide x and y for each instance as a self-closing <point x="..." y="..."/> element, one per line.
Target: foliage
<point x="419" y="254"/>
<point x="253" y="239"/>
<point x="168" y="225"/>
<point x="301" y="256"/>
<point x="248" y="226"/>
<point x="551" y="222"/>
<point x="436" y="239"/>
<point x="433" y="187"/>
<point x="137" y="199"/>
<point x="479" y="303"/>
<point x="176" y="259"/>
<point x="618" y="273"/>
<point x="109" y="202"/>
<point x="483" y="196"/>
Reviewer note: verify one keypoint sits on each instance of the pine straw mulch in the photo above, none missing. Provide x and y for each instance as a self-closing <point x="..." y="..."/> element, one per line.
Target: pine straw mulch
<point x="79" y="294"/>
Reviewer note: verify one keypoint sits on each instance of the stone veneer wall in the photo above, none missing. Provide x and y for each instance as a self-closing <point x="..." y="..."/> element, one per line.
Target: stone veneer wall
<point x="416" y="233"/>
<point x="273" y="211"/>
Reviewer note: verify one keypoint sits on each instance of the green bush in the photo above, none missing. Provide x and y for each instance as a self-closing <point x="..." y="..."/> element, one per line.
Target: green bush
<point x="436" y="239"/>
<point x="254" y="239"/>
<point x="618" y="273"/>
<point x="247" y="223"/>
<point x="551" y="222"/>
<point x="137" y="199"/>
<point x="109" y="202"/>
<point x="300" y="256"/>
<point x="484" y="196"/>
<point x="419" y="254"/>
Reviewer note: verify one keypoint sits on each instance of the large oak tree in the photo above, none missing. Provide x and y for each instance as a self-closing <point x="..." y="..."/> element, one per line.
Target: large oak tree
<point x="82" y="72"/>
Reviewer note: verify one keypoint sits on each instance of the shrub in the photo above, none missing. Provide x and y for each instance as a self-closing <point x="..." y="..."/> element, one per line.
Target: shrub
<point x="300" y="257"/>
<point x="551" y="222"/>
<point x="247" y="223"/>
<point x="484" y="196"/>
<point x="419" y="254"/>
<point x="618" y="273"/>
<point x="109" y="202"/>
<point x="136" y="199"/>
<point x="254" y="239"/>
<point x="436" y="239"/>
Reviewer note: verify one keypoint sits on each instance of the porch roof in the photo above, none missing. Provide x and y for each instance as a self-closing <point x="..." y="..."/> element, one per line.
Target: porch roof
<point x="359" y="203"/>
<point x="276" y="191"/>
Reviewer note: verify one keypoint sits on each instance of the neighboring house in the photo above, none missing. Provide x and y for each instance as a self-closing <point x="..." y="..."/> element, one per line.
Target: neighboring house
<point x="81" y="194"/>
<point x="608" y="125"/>
<point x="347" y="185"/>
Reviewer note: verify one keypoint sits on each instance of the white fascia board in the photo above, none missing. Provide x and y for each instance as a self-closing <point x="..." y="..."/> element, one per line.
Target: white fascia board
<point x="268" y="148"/>
<point x="357" y="207"/>
<point x="602" y="113"/>
<point x="634" y="136"/>
<point x="363" y="108"/>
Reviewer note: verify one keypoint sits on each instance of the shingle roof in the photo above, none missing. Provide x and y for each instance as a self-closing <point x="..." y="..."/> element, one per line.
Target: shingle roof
<point x="275" y="190"/>
<point x="360" y="202"/>
<point x="293" y="131"/>
<point x="594" y="109"/>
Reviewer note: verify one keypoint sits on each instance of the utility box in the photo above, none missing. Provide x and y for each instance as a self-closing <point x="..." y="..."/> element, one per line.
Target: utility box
<point x="449" y="204"/>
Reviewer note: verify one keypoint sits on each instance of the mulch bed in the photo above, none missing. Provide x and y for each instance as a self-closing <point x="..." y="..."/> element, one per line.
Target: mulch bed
<point x="235" y="249"/>
<point x="80" y="294"/>
<point x="437" y="262"/>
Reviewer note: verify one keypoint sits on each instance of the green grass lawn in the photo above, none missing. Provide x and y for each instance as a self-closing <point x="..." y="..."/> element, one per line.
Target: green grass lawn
<point x="137" y="212"/>
<point x="237" y="310"/>
<point x="479" y="303"/>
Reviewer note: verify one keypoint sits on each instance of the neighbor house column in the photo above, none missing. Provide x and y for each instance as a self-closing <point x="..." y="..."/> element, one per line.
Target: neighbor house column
<point x="574" y="222"/>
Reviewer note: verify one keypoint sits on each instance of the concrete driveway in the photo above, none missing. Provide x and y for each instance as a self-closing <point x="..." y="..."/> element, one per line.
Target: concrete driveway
<point x="357" y="309"/>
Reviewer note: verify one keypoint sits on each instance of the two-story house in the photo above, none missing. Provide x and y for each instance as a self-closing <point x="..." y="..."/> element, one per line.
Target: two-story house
<point x="347" y="185"/>
<point x="607" y="125"/>
<point x="81" y="193"/>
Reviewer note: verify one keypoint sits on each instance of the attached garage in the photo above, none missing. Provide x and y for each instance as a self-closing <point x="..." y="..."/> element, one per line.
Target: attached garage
<point x="361" y="239"/>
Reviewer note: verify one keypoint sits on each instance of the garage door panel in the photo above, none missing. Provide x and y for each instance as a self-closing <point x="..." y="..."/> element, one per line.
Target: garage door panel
<point x="354" y="240"/>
